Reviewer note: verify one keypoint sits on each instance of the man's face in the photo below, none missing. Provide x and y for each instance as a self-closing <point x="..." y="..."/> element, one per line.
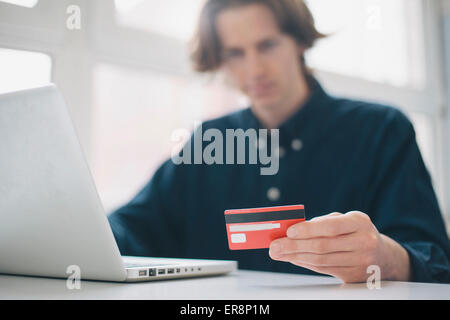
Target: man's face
<point x="259" y="59"/>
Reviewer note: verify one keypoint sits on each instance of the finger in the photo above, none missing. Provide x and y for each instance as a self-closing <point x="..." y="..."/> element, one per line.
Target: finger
<point x="322" y="245"/>
<point x="332" y="214"/>
<point x="330" y="225"/>
<point x="346" y="274"/>
<point x="335" y="259"/>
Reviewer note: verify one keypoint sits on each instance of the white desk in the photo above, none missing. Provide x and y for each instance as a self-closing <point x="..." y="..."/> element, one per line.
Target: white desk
<point x="245" y="285"/>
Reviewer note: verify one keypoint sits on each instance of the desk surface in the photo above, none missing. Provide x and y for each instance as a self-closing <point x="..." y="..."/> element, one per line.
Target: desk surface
<point x="241" y="284"/>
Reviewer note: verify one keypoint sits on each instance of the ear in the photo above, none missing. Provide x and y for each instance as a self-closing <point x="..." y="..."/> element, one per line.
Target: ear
<point x="301" y="49"/>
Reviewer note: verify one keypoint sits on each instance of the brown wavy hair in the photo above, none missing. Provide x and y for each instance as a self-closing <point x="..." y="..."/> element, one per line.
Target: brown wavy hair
<point x="293" y="17"/>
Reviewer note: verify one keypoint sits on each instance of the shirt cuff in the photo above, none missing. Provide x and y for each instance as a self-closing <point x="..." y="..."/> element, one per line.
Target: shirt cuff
<point x="418" y="267"/>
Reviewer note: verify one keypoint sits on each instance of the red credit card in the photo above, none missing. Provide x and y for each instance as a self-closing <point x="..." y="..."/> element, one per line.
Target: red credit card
<point x="256" y="228"/>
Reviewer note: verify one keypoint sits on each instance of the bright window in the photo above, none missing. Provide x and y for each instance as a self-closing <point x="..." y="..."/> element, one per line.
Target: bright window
<point x="135" y="113"/>
<point x="22" y="3"/>
<point x="173" y="18"/>
<point x="23" y="69"/>
<point x="377" y="40"/>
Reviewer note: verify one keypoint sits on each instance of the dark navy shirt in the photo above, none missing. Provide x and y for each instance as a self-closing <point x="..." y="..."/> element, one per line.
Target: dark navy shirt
<point x="335" y="155"/>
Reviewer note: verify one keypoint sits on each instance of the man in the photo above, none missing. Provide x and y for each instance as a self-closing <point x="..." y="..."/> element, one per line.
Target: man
<point x="355" y="166"/>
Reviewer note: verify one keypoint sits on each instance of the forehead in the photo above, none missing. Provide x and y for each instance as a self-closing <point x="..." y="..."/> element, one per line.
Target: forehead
<point x="246" y="25"/>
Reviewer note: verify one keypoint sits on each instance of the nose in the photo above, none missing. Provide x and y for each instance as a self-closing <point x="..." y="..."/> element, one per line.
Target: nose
<point x="255" y="65"/>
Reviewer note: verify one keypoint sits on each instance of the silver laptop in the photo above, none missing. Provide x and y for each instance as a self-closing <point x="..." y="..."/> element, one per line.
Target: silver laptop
<point x="51" y="219"/>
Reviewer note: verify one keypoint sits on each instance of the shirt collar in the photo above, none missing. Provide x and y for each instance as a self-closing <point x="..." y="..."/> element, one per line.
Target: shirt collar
<point x="309" y="112"/>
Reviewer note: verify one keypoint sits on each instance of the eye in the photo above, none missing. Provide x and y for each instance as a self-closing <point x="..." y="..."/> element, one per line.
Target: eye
<point x="232" y="54"/>
<point x="268" y="45"/>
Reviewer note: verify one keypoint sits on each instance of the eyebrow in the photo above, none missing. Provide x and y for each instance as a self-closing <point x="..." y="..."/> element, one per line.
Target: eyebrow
<point x="259" y="43"/>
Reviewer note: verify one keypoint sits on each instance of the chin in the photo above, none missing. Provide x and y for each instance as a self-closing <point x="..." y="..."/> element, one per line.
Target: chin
<point x="265" y="104"/>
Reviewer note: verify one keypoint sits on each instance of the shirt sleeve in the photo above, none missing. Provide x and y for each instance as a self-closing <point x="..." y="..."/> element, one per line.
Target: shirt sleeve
<point x="151" y="224"/>
<point x="403" y="204"/>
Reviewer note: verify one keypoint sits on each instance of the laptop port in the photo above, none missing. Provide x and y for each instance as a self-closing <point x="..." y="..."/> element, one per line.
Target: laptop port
<point x="171" y="270"/>
<point x="142" y="273"/>
<point x="178" y="270"/>
<point x="152" y="272"/>
<point x="161" y="271"/>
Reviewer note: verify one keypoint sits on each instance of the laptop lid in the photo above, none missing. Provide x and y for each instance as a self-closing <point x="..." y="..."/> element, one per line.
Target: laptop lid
<point x="51" y="217"/>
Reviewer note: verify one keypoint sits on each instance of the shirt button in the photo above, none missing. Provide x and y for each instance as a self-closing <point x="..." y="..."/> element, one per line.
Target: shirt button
<point x="279" y="152"/>
<point x="273" y="194"/>
<point x="296" y="144"/>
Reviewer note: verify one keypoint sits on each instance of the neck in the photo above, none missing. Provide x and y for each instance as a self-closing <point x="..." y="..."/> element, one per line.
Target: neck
<point x="274" y="116"/>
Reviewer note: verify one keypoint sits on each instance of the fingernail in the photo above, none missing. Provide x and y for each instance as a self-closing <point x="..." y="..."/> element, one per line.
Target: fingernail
<point x="291" y="233"/>
<point x="275" y="248"/>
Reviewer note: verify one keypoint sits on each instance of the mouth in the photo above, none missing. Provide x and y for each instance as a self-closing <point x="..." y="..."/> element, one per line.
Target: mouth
<point x="260" y="90"/>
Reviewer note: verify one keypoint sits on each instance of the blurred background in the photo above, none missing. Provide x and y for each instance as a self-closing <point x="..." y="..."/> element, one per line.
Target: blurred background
<point x="123" y="69"/>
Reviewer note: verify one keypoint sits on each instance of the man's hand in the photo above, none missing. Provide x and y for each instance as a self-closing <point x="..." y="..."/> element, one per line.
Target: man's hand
<point x="342" y="245"/>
